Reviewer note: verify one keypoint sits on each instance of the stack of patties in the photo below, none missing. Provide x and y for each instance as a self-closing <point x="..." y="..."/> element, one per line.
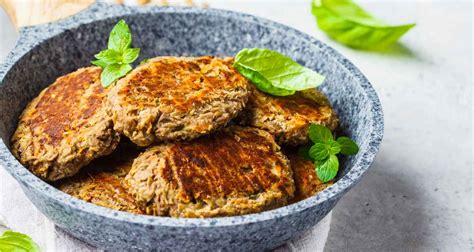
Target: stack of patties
<point x="177" y="112"/>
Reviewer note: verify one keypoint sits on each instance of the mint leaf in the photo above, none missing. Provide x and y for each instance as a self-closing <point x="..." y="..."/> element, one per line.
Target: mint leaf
<point x="120" y="37"/>
<point x="130" y="55"/>
<point x="348" y="147"/>
<point x="99" y="63"/>
<point x="261" y="83"/>
<point x="115" y="61"/>
<point x="347" y="23"/>
<point x="109" y="56"/>
<point x="14" y="241"/>
<point x="318" y="133"/>
<point x="113" y="72"/>
<point x="319" y="152"/>
<point x="303" y="151"/>
<point x="333" y="147"/>
<point x="275" y="73"/>
<point x="144" y="61"/>
<point x="327" y="170"/>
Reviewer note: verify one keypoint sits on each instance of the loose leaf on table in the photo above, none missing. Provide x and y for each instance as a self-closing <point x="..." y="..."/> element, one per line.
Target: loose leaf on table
<point x="328" y="169"/>
<point x="14" y="241"/>
<point x="275" y="73"/>
<point x="346" y="22"/>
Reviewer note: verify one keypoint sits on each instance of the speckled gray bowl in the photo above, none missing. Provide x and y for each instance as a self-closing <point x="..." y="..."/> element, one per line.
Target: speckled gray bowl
<point x="47" y="51"/>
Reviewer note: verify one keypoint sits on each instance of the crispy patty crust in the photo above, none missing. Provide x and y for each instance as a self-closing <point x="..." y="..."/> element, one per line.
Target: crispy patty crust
<point x="232" y="172"/>
<point x="177" y="98"/>
<point x="288" y="117"/>
<point x="101" y="181"/>
<point x="68" y="125"/>
<point x="307" y="182"/>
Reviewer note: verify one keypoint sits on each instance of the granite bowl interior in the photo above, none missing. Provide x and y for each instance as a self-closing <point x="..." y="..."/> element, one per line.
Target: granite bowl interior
<point x="49" y="51"/>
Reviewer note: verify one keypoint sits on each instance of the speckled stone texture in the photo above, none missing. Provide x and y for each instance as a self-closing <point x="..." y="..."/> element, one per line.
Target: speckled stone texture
<point x="45" y="52"/>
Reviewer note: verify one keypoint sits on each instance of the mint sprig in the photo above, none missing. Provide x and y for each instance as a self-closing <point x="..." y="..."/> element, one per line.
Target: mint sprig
<point x="116" y="60"/>
<point x="324" y="150"/>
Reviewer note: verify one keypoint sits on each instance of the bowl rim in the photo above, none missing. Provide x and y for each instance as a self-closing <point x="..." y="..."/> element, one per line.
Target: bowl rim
<point x="34" y="35"/>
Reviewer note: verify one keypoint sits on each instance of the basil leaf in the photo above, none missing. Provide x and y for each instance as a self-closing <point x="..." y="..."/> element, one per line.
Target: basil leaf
<point x="113" y="72"/>
<point x="261" y="83"/>
<point x="14" y="241"/>
<point x="318" y="133"/>
<point x="347" y="23"/>
<point x="109" y="56"/>
<point x="130" y="55"/>
<point x="327" y="170"/>
<point x="99" y="63"/>
<point x="348" y="147"/>
<point x="275" y="69"/>
<point x="319" y="152"/>
<point x="120" y="37"/>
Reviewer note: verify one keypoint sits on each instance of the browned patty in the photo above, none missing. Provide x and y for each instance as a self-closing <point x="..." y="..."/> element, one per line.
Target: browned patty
<point x="101" y="181"/>
<point x="288" y="117"/>
<point x="307" y="182"/>
<point x="177" y="98"/>
<point x="232" y="172"/>
<point x="68" y="125"/>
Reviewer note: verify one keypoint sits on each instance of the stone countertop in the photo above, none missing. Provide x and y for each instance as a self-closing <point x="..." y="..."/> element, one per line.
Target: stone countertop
<point x="418" y="193"/>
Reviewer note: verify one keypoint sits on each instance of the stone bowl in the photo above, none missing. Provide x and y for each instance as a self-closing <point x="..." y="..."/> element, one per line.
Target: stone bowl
<point x="45" y="52"/>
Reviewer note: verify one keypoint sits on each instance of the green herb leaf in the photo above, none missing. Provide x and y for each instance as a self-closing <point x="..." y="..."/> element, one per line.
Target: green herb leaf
<point x="14" y="241"/>
<point x="318" y="133"/>
<point x="348" y="147"/>
<point x="261" y="83"/>
<point x="327" y="170"/>
<point x="144" y="61"/>
<point x="120" y="37"/>
<point x="109" y="56"/>
<point x="115" y="61"/>
<point x="333" y="147"/>
<point x="319" y="152"/>
<point x="303" y="151"/>
<point x="99" y="63"/>
<point x="130" y="55"/>
<point x="349" y="24"/>
<point x="275" y="73"/>
<point x="113" y="72"/>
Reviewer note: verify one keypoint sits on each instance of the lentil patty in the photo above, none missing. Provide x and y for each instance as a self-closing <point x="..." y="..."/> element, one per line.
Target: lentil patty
<point x="177" y="98"/>
<point x="68" y="125"/>
<point x="288" y="117"/>
<point x="101" y="181"/>
<point x="307" y="182"/>
<point x="232" y="172"/>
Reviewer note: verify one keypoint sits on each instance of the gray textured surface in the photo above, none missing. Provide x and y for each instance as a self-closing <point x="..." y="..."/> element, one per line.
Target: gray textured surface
<point x="183" y="32"/>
